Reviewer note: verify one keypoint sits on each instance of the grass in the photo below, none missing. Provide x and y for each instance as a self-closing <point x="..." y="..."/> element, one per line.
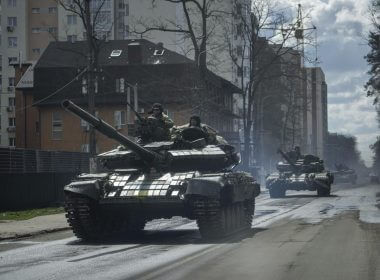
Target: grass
<point x="28" y="214"/>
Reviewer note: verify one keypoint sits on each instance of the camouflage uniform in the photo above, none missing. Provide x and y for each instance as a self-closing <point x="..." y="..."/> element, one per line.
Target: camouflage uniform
<point x="211" y="134"/>
<point x="155" y="127"/>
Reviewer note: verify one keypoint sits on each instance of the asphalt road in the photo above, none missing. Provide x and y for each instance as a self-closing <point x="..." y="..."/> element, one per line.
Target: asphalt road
<point x="301" y="236"/>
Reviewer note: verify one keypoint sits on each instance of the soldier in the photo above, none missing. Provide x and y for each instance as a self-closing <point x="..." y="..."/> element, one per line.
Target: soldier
<point x="211" y="136"/>
<point x="156" y="127"/>
<point x="295" y="154"/>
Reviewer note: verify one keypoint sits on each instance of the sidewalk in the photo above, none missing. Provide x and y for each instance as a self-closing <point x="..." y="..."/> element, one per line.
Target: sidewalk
<point x="34" y="226"/>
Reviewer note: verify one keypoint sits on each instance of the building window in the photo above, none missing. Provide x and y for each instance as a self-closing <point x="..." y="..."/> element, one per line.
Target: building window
<point x="12" y="142"/>
<point x="120" y="85"/>
<point x="85" y="148"/>
<point x="36" y="51"/>
<point x="12" y="3"/>
<point x="35" y="10"/>
<point x="52" y="10"/>
<point x="0" y="39"/>
<point x="12" y="122"/>
<point x="72" y="38"/>
<point x="1" y="62"/>
<point x="126" y="31"/>
<point x="71" y="19"/>
<point x="127" y="9"/>
<point x="239" y="51"/>
<point x="57" y="126"/>
<point x="120" y="119"/>
<point x="52" y="30"/>
<point x="11" y="82"/>
<point x="12" y="60"/>
<point x="12" y="21"/>
<point x="239" y="71"/>
<point x="246" y="72"/>
<point x="121" y="4"/>
<point x="84" y="86"/>
<point x="36" y="30"/>
<point x="121" y="20"/>
<point x="11" y="102"/>
<point x="12" y="42"/>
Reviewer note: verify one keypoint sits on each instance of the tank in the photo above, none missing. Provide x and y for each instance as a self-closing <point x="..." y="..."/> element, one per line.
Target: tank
<point x="306" y="173"/>
<point x="159" y="180"/>
<point x="344" y="174"/>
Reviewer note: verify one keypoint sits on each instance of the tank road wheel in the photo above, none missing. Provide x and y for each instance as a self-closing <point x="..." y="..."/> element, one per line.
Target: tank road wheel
<point x="83" y="216"/>
<point x="277" y="191"/>
<point x="212" y="219"/>
<point x="248" y="212"/>
<point x="215" y="221"/>
<point x="323" y="191"/>
<point x="134" y="225"/>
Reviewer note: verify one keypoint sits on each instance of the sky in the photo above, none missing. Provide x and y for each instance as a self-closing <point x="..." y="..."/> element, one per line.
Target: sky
<point x="342" y="26"/>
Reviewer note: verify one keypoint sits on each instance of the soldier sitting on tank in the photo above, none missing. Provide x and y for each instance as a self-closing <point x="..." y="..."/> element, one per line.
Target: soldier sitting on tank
<point x="156" y="127"/>
<point x="295" y="154"/>
<point x="183" y="134"/>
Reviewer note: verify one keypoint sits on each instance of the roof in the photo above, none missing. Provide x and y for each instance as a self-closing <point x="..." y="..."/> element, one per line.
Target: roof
<point x="68" y="54"/>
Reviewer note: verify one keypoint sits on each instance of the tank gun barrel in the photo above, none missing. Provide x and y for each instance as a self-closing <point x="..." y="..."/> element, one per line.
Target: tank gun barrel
<point x="109" y="131"/>
<point x="286" y="157"/>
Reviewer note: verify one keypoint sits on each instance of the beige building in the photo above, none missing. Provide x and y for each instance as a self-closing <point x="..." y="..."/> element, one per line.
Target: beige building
<point x="26" y="29"/>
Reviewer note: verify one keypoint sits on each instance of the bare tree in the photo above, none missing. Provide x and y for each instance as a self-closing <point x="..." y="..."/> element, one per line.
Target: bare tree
<point x="95" y="25"/>
<point x="267" y="34"/>
<point x="201" y="18"/>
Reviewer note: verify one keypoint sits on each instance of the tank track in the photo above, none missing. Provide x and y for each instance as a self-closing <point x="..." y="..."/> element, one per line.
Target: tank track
<point x="89" y="223"/>
<point x="216" y="221"/>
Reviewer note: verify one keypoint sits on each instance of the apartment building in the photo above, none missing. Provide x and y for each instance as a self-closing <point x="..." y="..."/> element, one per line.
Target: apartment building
<point x="315" y="112"/>
<point x="26" y="29"/>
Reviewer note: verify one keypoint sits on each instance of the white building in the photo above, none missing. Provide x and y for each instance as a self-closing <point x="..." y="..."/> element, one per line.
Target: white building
<point x="315" y="114"/>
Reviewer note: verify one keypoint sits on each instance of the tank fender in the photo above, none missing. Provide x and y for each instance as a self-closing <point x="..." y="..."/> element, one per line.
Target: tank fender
<point x="89" y="188"/>
<point x="209" y="186"/>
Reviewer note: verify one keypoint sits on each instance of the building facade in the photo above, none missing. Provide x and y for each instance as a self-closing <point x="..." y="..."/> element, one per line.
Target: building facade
<point x="137" y="72"/>
<point x="315" y="112"/>
<point x="27" y="27"/>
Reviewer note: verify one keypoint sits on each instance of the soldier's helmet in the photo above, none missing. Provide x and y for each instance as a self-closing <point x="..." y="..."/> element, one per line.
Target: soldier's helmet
<point x="156" y="106"/>
<point x="197" y="120"/>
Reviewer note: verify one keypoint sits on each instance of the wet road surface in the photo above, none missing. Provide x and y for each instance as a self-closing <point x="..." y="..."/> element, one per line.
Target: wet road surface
<point x="301" y="236"/>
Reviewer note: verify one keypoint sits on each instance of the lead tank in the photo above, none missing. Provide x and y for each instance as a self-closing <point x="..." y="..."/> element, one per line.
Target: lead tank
<point x="306" y="173"/>
<point x="159" y="180"/>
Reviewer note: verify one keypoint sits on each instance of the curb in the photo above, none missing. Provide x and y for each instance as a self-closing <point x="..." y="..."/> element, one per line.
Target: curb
<point x="31" y="234"/>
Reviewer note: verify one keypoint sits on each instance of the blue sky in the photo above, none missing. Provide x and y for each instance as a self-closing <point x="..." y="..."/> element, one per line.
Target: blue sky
<point x="342" y="26"/>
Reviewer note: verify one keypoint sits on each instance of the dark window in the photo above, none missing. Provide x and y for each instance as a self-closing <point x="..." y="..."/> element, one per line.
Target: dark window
<point x="12" y="121"/>
<point x="12" y="141"/>
<point x="57" y="126"/>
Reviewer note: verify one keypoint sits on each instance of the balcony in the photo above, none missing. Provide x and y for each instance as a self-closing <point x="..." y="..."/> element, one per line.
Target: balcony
<point x="10" y="28"/>
<point x="10" y="109"/>
<point x="11" y="129"/>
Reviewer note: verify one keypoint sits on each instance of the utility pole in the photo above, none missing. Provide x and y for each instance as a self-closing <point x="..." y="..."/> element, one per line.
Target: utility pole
<point x="90" y="76"/>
